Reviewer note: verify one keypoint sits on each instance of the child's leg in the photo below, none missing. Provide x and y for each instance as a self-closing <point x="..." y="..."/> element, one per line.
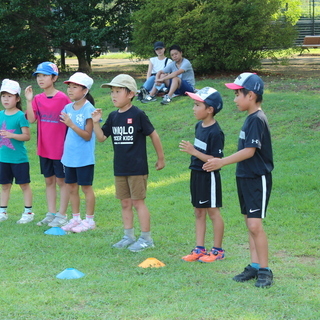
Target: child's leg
<point x="74" y="197"/>
<point x="127" y="213"/>
<point x="143" y="214"/>
<point x="90" y="199"/>
<point x="5" y="194"/>
<point x="64" y="195"/>
<point x="27" y="194"/>
<point x="258" y="242"/>
<point x="200" y="214"/>
<point x="51" y="193"/>
<point x="218" y="226"/>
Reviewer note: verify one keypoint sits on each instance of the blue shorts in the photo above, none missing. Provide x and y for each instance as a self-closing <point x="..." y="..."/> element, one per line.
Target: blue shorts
<point x="83" y="176"/>
<point x="254" y="195"/>
<point x="49" y="168"/>
<point x="19" y="171"/>
<point x="205" y="188"/>
<point x="185" y="86"/>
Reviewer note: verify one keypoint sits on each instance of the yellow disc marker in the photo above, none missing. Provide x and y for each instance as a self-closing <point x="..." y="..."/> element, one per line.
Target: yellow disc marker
<point x="151" y="263"/>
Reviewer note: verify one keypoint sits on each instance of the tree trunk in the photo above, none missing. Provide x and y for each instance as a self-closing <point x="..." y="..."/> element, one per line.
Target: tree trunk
<point x="83" y="64"/>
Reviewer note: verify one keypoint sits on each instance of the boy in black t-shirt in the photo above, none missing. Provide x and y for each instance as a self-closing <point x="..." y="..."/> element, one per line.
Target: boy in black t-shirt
<point x="205" y="187"/>
<point x="128" y="127"/>
<point x="254" y="181"/>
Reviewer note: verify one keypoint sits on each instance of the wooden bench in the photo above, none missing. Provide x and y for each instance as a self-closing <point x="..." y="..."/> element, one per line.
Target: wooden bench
<point x="310" y="42"/>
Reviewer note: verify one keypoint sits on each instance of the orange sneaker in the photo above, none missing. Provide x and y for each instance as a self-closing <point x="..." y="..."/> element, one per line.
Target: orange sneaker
<point x="195" y="254"/>
<point x="213" y="255"/>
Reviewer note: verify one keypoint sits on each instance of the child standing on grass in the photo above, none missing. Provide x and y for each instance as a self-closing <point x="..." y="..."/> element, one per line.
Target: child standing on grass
<point x="13" y="154"/>
<point x="78" y="153"/>
<point x="254" y="180"/>
<point x="206" y="193"/>
<point x="128" y="127"/>
<point x="45" y="108"/>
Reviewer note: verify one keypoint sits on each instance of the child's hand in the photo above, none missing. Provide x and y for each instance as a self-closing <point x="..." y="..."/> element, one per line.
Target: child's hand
<point x="212" y="164"/>
<point x="160" y="164"/>
<point x="6" y="134"/>
<point x="186" y="146"/>
<point x="28" y="92"/>
<point x="66" y="119"/>
<point x="96" y="115"/>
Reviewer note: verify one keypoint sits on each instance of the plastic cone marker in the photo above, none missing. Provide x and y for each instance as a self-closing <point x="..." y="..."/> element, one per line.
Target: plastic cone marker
<point x="70" y="273"/>
<point x="55" y="231"/>
<point x="151" y="263"/>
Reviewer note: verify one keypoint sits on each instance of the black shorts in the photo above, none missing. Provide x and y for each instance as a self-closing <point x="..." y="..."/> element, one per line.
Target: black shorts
<point x="83" y="176"/>
<point x="19" y="171"/>
<point x="205" y="188"/>
<point x="49" y="168"/>
<point x="254" y="195"/>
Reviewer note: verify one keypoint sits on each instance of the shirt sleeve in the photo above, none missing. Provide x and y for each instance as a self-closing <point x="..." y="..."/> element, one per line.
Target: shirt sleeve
<point x="254" y="134"/>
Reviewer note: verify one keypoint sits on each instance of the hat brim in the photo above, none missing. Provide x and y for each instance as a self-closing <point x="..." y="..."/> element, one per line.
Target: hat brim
<point x="156" y="48"/>
<point x="79" y="84"/>
<point x="43" y="72"/>
<point x="194" y="96"/>
<point x="233" y="86"/>
<point x="112" y="84"/>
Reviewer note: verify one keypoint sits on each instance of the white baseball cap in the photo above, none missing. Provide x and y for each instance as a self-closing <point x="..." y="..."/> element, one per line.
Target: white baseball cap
<point x="10" y="86"/>
<point x="81" y="79"/>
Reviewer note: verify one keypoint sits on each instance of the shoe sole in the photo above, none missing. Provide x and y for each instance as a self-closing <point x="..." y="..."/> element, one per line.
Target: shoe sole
<point x="141" y="249"/>
<point x="210" y="261"/>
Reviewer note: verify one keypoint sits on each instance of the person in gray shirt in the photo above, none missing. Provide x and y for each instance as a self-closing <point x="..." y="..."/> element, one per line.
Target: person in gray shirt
<point x="178" y="76"/>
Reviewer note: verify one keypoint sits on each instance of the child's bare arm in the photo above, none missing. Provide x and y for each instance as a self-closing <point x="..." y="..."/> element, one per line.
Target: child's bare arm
<point x="216" y="163"/>
<point x="186" y="146"/>
<point x="96" y="117"/>
<point x="29" y="96"/>
<point x="160" y="164"/>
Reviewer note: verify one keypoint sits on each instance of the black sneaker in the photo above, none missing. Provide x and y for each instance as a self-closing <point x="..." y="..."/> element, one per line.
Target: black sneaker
<point x="247" y="274"/>
<point x="265" y="278"/>
<point x="142" y="94"/>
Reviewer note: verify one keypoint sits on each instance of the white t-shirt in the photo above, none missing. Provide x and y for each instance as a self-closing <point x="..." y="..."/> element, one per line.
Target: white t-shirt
<point x="157" y="64"/>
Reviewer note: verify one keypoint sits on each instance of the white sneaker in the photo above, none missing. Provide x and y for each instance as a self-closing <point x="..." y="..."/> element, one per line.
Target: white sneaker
<point x="48" y="218"/>
<point x="3" y="216"/>
<point x="58" y="221"/>
<point x="71" y="224"/>
<point x="25" y="218"/>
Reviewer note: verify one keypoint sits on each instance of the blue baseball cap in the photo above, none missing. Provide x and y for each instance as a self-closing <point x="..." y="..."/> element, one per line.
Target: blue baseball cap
<point x="210" y="96"/>
<point x="47" y="68"/>
<point x="249" y="81"/>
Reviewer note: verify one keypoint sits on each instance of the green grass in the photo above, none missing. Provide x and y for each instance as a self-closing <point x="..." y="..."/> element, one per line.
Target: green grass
<point x="116" y="288"/>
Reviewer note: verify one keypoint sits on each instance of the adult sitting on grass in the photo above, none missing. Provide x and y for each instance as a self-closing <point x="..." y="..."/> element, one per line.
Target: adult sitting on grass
<point x="155" y="64"/>
<point x="178" y="76"/>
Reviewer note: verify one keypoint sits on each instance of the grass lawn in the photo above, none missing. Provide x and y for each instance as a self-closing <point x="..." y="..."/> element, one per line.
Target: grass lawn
<point x="114" y="287"/>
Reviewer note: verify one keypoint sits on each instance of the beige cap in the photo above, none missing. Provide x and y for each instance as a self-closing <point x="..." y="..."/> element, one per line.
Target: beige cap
<point x="122" y="81"/>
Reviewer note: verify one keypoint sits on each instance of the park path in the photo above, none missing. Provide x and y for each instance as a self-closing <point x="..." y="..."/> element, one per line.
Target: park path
<point x="305" y="65"/>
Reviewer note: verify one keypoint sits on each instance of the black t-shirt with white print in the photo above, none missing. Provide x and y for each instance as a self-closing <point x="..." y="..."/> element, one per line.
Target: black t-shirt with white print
<point x="128" y="131"/>
<point x="255" y="133"/>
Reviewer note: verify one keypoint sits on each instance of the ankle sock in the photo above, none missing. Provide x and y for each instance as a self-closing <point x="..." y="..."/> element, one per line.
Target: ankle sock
<point x="201" y="247"/>
<point x="89" y="218"/>
<point x="255" y="265"/>
<point x="28" y="210"/>
<point x="146" y="235"/>
<point x="129" y="233"/>
<point x="76" y="216"/>
<point x="216" y="248"/>
<point x="3" y="209"/>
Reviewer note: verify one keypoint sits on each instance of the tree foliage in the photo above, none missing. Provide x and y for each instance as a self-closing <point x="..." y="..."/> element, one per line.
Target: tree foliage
<point x="216" y="34"/>
<point x="33" y="28"/>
